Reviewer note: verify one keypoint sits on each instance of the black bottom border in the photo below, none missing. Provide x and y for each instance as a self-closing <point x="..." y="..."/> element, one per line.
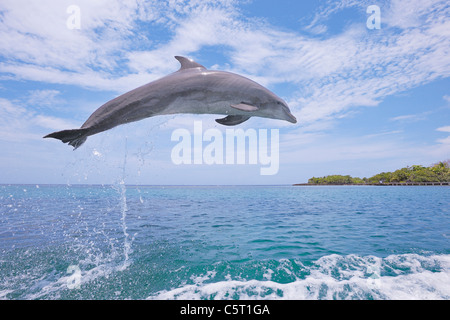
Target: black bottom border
<point x="259" y="309"/>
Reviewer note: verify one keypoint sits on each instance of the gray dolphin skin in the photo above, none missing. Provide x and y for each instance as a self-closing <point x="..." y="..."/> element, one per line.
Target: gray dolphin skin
<point x="192" y="89"/>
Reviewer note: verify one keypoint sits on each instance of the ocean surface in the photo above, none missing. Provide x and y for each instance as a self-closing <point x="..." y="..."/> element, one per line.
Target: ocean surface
<point x="258" y="242"/>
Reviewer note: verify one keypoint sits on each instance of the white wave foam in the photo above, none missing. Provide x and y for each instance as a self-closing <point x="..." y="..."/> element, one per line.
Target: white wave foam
<point x="3" y="294"/>
<point x="408" y="276"/>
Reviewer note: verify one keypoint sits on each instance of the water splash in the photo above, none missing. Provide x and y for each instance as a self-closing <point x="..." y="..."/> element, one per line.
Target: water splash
<point x="124" y="209"/>
<point x="121" y="187"/>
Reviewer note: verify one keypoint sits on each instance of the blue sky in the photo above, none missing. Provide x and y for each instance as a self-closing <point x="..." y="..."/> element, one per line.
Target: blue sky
<point x="366" y="100"/>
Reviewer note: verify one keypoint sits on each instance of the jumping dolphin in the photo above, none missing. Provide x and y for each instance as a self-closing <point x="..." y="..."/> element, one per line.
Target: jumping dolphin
<point x="192" y="89"/>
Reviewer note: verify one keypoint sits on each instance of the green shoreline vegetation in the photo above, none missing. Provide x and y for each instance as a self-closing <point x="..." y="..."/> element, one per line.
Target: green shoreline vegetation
<point x="438" y="173"/>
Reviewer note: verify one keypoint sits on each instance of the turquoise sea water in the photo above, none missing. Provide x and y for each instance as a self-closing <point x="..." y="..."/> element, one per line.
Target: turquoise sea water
<point x="259" y="242"/>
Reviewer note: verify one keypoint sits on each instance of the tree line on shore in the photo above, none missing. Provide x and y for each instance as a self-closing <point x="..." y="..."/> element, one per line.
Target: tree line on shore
<point x="439" y="172"/>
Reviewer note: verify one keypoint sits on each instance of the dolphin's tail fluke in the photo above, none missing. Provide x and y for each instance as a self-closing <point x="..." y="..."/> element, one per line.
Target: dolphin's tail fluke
<point x="75" y="137"/>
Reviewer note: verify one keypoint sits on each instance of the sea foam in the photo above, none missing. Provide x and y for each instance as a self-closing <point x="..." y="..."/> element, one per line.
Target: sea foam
<point x="335" y="277"/>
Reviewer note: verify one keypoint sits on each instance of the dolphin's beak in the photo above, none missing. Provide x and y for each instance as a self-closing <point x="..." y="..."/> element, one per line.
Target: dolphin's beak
<point x="291" y="118"/>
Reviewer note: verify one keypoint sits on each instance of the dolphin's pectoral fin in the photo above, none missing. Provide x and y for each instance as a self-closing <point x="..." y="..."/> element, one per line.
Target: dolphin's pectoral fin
<point x="232" y="120"/>
<point x="244" y="107"/>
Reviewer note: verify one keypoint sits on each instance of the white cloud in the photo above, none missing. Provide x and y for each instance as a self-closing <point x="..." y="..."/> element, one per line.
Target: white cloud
<point x="445" y="141"/>
<point x="331" y="7"/>
<point x="53" y="123"/>
<point x="383" y="134"/>
<point x="352" y="69"/>
<point x="8" y="108"/>
<point x="331" y="74"/>
<point x="447" y="98"/>
<point x="444" y="129"/>
<point x="19" y="123"/>
<point x="371" y="152"/>
<point x="106" y="52"/>
<point x="410" y="117"/>
<point x="414" y="13"/>
<point x="44" y="97"/>
<point x="37" y="45"/>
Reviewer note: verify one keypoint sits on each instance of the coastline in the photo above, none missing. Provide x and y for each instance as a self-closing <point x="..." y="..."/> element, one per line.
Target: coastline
<point x="400" y="184"/>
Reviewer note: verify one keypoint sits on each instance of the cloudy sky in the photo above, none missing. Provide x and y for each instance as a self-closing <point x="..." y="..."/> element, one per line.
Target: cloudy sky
<point x="366" y="100"/>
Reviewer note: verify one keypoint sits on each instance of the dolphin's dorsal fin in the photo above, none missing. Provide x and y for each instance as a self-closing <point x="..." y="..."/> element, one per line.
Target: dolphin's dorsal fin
<point x="188" y="63"/>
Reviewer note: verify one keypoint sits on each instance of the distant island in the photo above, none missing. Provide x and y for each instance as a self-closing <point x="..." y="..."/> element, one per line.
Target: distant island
<point x="437" y="174"/>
